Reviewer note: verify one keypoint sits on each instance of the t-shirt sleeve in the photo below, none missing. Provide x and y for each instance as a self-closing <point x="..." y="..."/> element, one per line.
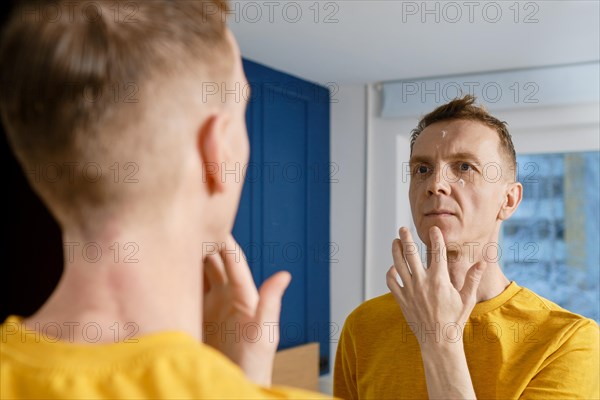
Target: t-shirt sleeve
<point x="572" y="371"/>
<point x="344" y="374"/>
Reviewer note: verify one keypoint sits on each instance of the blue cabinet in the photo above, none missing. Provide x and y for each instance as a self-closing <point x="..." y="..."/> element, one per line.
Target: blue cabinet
<point x="283" y="219"/>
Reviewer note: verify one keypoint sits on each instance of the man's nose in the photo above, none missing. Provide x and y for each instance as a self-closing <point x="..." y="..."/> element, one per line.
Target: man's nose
<point x="438" y="182"/>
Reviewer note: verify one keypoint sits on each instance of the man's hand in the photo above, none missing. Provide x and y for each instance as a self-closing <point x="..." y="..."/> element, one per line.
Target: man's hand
<point x="430" y="303"/>
<point x="428" y="299"/>
<point x="239" y="321"/>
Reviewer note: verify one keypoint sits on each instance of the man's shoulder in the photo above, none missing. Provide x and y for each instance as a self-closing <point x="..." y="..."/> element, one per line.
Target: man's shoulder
<point x="528" y="301"/>
<point x="379" y="310"/>
<point x="548" y="316"/>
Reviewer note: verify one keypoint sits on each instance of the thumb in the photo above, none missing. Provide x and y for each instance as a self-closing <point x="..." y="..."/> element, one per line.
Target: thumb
<point x="472" y="281"/>
<point x="270" y="295"/>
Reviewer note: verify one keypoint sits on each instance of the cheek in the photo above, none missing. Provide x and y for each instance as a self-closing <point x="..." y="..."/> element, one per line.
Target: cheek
<point x="412" y="197"/>
<point x="415" y="188"/>
<point x="247" y="147"/>
<point x="242" y="143"/>
<point x="477" y="205"/>
<point x="245" y="141"/>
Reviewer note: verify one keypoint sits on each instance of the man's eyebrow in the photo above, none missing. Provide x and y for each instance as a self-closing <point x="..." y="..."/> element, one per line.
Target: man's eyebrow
<point x="420" y="159"/>
<point x="463" y="155"/>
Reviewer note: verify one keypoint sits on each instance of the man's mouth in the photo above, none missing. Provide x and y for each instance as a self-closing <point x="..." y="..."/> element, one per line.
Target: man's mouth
<point x="439" y="213"/>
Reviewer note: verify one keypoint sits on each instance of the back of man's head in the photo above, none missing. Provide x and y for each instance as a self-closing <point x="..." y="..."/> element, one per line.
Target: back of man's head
<point x="93" y="90"/>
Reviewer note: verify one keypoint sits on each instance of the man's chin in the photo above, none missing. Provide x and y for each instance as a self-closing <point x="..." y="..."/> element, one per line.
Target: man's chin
<point x="448" y="229"/>
<point x="449" y="233"/>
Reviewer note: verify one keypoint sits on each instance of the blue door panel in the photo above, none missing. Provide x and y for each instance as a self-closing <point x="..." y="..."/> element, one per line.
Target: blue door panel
<point x="284" y="201"/>
<point x="283" y="219"/>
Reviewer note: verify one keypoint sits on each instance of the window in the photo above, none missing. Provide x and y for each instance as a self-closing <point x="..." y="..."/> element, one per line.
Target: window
<point x="551" y="244"/>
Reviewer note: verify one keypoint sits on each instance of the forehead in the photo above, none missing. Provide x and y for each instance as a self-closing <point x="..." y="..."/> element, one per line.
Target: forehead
<point x="445" y="138"/>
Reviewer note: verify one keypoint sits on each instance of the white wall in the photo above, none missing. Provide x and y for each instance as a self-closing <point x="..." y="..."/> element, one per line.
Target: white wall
<point x="388" y="143"/>
<point x="347" y="218"/>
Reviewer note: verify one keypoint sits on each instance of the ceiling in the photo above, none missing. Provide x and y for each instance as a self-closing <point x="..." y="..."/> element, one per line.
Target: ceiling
<point x="357" y="42"/>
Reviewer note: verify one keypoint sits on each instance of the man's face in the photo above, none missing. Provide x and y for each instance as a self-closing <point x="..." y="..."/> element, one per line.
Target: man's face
<point x="455" y="184"/>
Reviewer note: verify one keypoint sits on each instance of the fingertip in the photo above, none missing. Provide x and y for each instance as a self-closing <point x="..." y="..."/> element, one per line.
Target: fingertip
<point x="287" y="277"/>
<point x="276" y="285"/>
<point x="230" y="244"/>
<point x="405" y="234"/>
<point x="433" y="231"/>
<point x="283" y="280"/>
<point x="436" y="232"/>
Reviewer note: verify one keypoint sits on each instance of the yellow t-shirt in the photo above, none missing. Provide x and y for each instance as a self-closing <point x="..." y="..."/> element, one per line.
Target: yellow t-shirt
<point x="161" y="365"/>
<point x="517" y="345"/>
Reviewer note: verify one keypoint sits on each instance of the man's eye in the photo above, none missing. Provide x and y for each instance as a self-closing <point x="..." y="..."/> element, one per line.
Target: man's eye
<point x="464" y="167"/>
<point x="422" y="169"/>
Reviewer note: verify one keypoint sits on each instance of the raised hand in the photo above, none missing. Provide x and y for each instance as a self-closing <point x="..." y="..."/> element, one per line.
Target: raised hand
<point x="427" y="297"/>
<point x="238" y="320"/>
<point x="431" y="304"/>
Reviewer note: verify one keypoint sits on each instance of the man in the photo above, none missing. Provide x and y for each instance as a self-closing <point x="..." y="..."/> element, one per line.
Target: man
<point x="110" y="94"/>
<point x="459" y="329"/>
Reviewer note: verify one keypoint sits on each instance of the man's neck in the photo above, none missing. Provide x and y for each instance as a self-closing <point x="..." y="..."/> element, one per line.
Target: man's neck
<point x="139" y="282"/>
<point x="492" y="283"/>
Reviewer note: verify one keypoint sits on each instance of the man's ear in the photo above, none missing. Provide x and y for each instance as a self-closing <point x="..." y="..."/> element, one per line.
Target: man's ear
<point x="512" y="199"/>
<point x="212" y="149"/>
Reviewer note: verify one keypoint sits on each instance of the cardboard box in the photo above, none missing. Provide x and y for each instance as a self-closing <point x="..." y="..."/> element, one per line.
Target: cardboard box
<point x="298" y="367"/>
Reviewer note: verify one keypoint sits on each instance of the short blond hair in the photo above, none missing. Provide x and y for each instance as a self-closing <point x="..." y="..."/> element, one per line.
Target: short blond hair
<point x="465" y="108"/>
<point x="65" y="63"/>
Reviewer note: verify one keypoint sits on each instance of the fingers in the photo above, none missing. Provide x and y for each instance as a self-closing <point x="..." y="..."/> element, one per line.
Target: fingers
<point x="438" y="264"/>
<point x="472" y="280"/>
<point x="400" y="264"/>
<point x="237" y="270"/>
<point x="394" y="282"/>
<point x="214" y="272"/>
<point x="270" y="295"/>
<point x="234" y="260"/>
<point x="411" y="254"/>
